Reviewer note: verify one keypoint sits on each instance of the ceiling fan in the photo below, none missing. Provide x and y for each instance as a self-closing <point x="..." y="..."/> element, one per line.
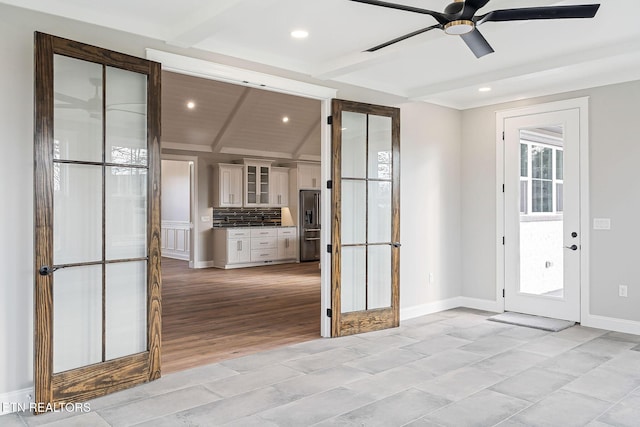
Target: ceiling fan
<point x="459" y="18"/>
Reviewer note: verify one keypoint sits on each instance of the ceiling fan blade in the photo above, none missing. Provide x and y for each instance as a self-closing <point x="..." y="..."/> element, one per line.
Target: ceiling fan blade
<point x="477" y="43"/>
<point x="546" y="12"/>
<point x="471" y="7"/>
<point x="79" y="103"/>
<point x="406" y="36"/>
<point x="440" y="17"/>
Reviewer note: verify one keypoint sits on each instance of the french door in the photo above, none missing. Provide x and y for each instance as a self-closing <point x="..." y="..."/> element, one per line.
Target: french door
<point x="365" y="217"/>
<point x="542" y="214"/>
<point x="97" y="221"/>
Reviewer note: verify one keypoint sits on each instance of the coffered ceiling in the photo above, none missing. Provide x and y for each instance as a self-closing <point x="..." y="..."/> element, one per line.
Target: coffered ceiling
<point x="531" y="57"/>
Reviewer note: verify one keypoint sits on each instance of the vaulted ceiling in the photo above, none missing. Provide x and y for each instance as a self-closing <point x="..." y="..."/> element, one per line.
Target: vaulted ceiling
<point x="532" y="58"/>
<point x="231" y="121"/>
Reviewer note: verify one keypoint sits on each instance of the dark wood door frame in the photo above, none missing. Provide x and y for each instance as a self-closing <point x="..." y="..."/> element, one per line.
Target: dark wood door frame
<point x="108" y="376"/>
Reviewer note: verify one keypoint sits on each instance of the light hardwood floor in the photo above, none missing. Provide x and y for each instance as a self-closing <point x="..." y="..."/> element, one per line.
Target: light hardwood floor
<point x="209" y="315"/>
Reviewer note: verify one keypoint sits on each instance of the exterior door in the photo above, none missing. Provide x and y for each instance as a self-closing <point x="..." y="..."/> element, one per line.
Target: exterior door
<point x="366" y="217"/>
<point x="97" y="221"/>
<point x="542" y="214"/>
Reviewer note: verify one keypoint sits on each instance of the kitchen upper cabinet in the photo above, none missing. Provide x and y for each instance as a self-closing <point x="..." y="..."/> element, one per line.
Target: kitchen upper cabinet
<point x="279" y="187"/>
<point x="309" y="176"/>
<point x="227" y="191"/>
<point x="257" y="183"/>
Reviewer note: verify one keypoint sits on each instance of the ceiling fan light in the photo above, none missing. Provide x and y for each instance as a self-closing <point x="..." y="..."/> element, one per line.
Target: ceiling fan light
<point x="457" y="28"/>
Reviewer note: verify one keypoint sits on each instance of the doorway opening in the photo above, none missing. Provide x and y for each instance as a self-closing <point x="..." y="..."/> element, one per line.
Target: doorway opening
<point x="178" y="207"/>
<point x="212" y="314"/>
<point x="543" y="209"/>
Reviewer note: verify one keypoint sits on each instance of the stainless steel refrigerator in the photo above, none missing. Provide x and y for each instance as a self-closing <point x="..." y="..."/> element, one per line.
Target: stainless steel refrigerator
<point x="309" y="225"/>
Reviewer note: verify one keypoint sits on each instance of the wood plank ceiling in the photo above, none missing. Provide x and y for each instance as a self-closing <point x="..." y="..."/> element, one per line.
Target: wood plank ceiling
<point x="232" y="122"/>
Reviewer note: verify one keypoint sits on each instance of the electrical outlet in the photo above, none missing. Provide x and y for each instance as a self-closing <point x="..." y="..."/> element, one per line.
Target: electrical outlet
<point x="430" y="277"/>
<point x="622" y="291"/>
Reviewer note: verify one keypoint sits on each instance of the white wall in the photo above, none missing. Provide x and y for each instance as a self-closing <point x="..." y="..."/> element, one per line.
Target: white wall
<point x="175" y="190"/>
<point x="429" y="204"/>
<point x="614" y="155"/>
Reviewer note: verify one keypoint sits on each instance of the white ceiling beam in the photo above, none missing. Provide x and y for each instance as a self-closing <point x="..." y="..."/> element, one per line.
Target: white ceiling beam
<point x="313" y="129"/>
<point x="527" y="69"/>
<point x="357" y="61"/>
<point x="228" y="125"/>
<point x="199" y="24"/>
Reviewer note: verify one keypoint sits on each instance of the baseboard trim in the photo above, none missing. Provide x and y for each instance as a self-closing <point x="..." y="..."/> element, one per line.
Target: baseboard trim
<point x="203" y="264"/>
<point x="184" y="256"/>
<point x="448" y="304"/>
<point x="480" y="304"/>
<point x="429" y="308"/>
<point x="611" y="324"/>
<point x="13" y="400"/>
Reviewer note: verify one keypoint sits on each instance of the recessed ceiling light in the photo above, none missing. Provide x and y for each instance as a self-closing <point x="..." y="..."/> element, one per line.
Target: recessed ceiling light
<point x="484" y="89"/>
<point x="191" y="105"/>
<point x="285" y="119"/>
<point x="299" y="34"/>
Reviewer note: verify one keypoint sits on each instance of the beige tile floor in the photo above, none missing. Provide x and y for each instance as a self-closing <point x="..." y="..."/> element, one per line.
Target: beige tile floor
<point x="453" y="368"/>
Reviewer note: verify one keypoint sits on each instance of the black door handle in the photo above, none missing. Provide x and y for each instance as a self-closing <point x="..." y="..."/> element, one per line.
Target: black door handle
<point x="45" y="270"/>
<point x="572" y="247"/>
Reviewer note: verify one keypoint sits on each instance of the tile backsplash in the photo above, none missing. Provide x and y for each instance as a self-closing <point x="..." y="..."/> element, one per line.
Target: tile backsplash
<point x="247" y="217"/>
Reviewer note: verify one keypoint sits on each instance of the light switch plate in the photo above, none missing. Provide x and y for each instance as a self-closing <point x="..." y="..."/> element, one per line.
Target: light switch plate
<point x="602" y="223"/>
<point x="205" y="218"/>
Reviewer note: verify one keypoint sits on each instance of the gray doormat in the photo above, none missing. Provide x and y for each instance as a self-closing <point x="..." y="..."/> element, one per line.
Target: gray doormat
<point x="536" y="322"/>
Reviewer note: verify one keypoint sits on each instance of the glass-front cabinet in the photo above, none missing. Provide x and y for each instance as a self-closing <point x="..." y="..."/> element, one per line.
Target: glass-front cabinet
<point x="257" y="175"/>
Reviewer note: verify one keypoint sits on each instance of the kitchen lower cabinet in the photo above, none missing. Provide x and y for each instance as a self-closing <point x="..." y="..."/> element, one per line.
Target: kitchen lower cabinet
<point x="287" y="243"/>
<point x="250" y="247"/>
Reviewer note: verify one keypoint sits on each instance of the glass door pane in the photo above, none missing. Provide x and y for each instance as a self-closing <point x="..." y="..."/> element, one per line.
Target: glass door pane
<point x="251" y="184"/>
<point x="354" y="276"/>
<point x="77" y="217"/>
<point x="354" y="145"/>
<point x="77" y="317"/>
<point x="542" y="251"/>
<point x="379" y="276"/>
<point x="126" y="117"/>
<point x="126" y="309"/>
<point x="77" y="109"/>
<point x="264" y="184"/>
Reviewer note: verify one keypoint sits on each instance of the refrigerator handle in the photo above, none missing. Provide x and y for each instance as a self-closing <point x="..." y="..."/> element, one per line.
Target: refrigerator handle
<point x="316" y="197"/>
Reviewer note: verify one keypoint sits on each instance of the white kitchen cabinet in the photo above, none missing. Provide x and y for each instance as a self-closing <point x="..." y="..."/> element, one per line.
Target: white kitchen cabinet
<point x="257" y="183"/>
<point x="231" y="246"/>
<point x="238" y="251"/>
<point x="279" y="187"/>
<point x="308" y="176"/>
<point x="263" y="244"/>
<point x="287" y="243"/>
<point x="249" y="247"/>
<point x="227" y="190"/>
